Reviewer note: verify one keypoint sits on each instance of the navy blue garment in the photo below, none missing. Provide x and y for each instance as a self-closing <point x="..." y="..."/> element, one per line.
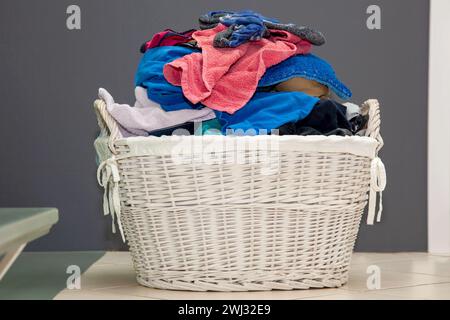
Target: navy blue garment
<point x="326" y="116"/>
<point x="184" y="129"/>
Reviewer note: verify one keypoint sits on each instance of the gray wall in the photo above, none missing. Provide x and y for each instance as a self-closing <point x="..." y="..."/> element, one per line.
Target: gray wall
<point x="49" y="77"/>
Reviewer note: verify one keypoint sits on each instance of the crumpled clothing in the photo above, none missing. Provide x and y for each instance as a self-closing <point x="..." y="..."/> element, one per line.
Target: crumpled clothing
<point x="184" y="129"/>
<point x="267" y="111"/>
<point x="353" y="110"/>
<point x="212" y="76"/>
<point x="242" y="27"/>
<point x="146" y="116"/>
<point x="328" y="117"/>
<point x="308" y="131"/>
<point x="308" y="66"/>
<point x="150" y="75"/>
<point x="167" y="37"/>
<point x="358" y="118"/>
<point x="248" y="25"/>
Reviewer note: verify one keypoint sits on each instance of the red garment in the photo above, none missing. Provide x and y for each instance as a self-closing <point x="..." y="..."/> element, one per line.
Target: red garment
<point x="225" y="79"/>
<point x="168" y="37"/>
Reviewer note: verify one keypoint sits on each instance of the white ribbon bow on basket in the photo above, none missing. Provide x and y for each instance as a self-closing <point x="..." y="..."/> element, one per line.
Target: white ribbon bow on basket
<point x="377" y="185"/>
<point x="108" y="177"/>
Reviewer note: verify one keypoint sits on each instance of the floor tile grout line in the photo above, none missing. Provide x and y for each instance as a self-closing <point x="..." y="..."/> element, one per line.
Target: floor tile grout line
<point x="338" y="294"/>
<point x="97" y="293"/>
<point x="395" y="295"/>
<point x="105" y="292"/>
<point x="407" y="287"/>
<point x="113" y="287"/>
<point x="384" y="261"/>
<point x="321" y="296"/>
<point x="421" y="273"/>
<point x="395" y="287"/>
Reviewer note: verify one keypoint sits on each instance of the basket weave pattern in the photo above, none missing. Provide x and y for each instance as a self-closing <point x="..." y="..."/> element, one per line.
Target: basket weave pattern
<point x="226" y="227"/>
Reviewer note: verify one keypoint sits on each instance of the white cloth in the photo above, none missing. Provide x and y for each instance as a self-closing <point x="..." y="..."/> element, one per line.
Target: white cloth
<point x="147" y="116"/>
<point x="353" y="110"/>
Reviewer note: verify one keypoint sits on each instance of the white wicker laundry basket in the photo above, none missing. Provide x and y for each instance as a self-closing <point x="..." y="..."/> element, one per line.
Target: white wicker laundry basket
<point x="196" y="222"/>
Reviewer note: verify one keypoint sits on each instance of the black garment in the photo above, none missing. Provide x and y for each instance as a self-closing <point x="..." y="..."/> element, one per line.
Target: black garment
<point x="359" y="122"/>
<point x="188" y="129"/>
<point x="191" y="44"/>
<point x="308" y="131"/>
<point x="327" y="116"/>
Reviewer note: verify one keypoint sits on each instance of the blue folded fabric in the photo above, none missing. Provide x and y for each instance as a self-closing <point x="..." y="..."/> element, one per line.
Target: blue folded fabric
<point x="267" y="111"/>
<point x="306" y="66"/>
<point x="150" y="75"/>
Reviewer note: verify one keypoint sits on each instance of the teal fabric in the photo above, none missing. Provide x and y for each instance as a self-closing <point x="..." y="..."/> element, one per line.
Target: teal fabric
<point x="209" y="127"/>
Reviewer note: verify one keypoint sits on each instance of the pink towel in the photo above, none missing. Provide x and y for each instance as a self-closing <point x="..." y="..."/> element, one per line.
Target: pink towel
<point x="225" y="79"/>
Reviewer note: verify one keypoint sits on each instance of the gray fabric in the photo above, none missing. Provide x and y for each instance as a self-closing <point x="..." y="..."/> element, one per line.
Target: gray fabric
<point x="223" y="37"/>
<point x="315" y="37"/>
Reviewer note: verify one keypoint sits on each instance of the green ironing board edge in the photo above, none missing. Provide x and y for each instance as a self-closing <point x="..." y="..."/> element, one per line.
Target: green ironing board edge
<point x="22" y="225"/>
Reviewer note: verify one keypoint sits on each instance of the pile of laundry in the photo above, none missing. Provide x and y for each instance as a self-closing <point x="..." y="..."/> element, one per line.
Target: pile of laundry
<point x="239" y="73"/>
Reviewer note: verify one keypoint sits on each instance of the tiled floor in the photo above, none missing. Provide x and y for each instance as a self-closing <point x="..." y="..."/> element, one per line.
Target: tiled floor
<point x="403" y="276"/>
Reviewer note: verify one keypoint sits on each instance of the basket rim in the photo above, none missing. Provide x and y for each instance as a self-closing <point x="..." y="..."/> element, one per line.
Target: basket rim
<point x="332" y="138"/>
<point x="167" y="145"/>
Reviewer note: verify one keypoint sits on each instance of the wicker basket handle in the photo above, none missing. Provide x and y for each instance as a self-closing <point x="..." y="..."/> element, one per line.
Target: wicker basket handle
<point x="372" y="107"/>
<point x="107" y="124"/>
<point x="377" y="170"/>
